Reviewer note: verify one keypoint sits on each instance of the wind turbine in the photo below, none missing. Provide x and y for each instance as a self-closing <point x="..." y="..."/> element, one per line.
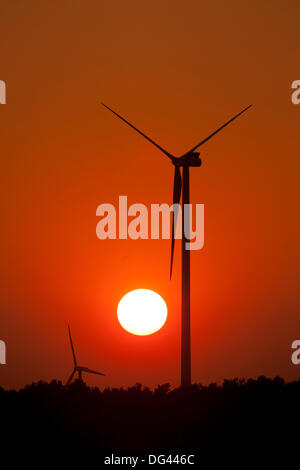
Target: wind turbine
<point x="78" y="368"/>
<point x="182" y="184"/>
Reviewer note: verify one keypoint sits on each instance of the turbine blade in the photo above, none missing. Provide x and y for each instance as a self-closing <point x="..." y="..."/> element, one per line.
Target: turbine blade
<point x="140" y="132"/>
<point x="71" y="377"/>
<point x="218" y="130"/>
<point x="73" y="352"/>
<point x="176" y="199"/>
<point x="93" y="371"/>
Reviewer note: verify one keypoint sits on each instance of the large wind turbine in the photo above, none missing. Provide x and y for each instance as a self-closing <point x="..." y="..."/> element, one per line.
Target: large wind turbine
<point x="190" y="158"/>
<point x="77" y="368"/>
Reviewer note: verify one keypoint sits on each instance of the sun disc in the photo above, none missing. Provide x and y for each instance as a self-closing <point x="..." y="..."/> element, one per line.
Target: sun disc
<point x="142" y="312"/>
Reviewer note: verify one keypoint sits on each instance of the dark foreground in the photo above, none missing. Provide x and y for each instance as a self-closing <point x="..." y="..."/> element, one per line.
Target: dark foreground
<point x="249" y="415"/>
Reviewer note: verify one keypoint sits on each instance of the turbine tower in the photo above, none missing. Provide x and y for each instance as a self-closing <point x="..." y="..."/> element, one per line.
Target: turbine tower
<point x="78" y="369"/>
<point x="182" y="184"/>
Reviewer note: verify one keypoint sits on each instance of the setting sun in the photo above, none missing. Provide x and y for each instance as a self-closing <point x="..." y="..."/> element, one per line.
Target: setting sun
<point x="142" y="312"/>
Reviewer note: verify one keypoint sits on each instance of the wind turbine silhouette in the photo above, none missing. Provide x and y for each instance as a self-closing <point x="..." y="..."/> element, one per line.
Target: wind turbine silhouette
<point x="190" y="158"/>
<point x="77" y="368"/>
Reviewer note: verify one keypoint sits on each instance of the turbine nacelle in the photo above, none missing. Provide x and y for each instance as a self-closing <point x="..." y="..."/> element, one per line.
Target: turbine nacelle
<point x="82" y="369"/>
<point x="188" y="159"/>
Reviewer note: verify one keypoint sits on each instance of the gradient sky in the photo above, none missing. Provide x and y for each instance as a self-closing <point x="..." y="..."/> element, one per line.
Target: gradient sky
<point x="178" y="70"/>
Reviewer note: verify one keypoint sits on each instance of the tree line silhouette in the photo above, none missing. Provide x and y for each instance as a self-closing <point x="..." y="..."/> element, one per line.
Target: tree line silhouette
<point x="51" y="415"/>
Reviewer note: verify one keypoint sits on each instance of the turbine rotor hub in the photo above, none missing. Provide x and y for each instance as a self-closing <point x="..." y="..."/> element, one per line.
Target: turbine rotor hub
<point x="190" y="159"/>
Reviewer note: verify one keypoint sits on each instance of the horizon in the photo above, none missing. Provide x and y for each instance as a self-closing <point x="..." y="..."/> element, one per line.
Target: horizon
<point x="236" y="381"/>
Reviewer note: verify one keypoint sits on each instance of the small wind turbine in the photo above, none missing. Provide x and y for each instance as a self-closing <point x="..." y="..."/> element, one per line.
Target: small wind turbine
<point x="190" y="158"/>
<point x="78" y="369"/>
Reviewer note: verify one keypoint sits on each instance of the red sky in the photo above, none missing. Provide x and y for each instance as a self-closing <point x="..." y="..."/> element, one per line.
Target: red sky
<point x="178" y="70"/>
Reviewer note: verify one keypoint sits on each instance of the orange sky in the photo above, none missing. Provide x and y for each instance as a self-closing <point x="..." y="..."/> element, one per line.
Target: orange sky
<point x="178" y="70"/>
